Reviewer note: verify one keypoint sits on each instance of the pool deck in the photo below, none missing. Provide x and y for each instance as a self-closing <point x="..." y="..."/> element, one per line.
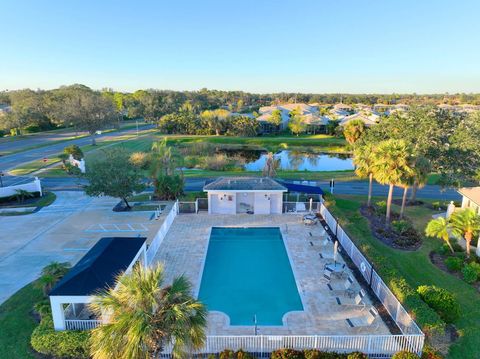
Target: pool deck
<point x="184" y="250"/>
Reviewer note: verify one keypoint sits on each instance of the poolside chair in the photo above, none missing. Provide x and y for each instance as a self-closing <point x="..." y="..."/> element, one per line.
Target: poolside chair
<point x="345" y="287"/>
<point x="327" y="274"/>
<point x="363" y="321"/>
<point x="355" y="302"/>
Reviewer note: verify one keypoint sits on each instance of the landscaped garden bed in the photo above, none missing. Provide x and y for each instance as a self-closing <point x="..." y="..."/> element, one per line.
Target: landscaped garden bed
<point x="399" y="233"/>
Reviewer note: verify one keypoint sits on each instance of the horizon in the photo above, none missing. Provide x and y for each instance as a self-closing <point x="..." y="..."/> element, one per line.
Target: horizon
<point x="266" y="47"/>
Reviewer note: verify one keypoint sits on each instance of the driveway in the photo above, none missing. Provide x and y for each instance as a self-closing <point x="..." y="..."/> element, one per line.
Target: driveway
<point x="62" y="232"/>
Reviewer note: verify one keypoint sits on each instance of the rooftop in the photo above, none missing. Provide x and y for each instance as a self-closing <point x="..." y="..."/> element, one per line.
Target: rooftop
<point x="244" y="184"/>
<point x="472" y="193"/>
<point x="99" y="268"/>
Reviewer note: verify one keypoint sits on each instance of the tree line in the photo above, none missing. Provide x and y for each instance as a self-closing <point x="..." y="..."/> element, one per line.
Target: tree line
<point x="46" y="109"/>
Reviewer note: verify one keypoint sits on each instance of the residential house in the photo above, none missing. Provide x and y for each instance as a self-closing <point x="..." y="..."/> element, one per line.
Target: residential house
<point x="470" y="198"/>
<point x="367" y="119"/>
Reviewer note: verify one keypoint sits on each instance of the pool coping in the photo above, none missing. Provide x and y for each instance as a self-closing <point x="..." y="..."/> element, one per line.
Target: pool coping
<point x="283" y="234"/>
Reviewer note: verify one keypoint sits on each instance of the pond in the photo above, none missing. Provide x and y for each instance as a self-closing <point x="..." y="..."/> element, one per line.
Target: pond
<point x="303" y="161"/>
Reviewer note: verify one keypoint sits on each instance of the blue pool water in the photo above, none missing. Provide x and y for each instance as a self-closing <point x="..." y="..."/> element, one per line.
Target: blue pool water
<point x="247" y="272"/>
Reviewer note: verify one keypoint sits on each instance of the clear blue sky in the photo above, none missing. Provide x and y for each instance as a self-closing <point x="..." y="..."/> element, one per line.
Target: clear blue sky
<point x="354" y="46"/>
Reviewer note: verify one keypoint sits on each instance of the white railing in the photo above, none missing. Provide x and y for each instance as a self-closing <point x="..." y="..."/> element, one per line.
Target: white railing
<point x="398" y="313"/>
<point x="375" y="346"/>
<point x="162" y="232"/>
<point x="300" y="207"/>
<point x="80" y="324"/>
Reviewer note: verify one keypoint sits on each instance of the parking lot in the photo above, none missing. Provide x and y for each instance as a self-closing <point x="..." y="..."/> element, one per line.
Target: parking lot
<point x="62" y="232"/>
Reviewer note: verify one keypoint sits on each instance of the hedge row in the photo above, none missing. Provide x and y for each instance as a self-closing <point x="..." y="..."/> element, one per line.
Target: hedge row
<point x="60" y="344"/>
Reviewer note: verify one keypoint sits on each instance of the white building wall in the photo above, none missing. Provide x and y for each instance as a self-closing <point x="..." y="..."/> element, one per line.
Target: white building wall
<point x="222" y="203"/>
<point x="276" y="203"/>
<point x="34" y="186"/>
<point x="262" y="203"/>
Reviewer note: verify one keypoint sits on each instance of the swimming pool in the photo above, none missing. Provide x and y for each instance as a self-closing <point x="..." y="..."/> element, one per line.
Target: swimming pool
<point x="247" y="272"/>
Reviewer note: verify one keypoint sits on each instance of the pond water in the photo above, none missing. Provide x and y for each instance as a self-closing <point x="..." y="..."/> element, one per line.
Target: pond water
<point x="301" y="161"/>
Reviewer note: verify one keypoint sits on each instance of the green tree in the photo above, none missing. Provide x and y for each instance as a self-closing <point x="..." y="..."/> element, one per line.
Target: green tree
<point x="354" y="130"/>
<point x="51" y="274"/>
<point x="144" y="316"/>
<point x="114" y="175"/>
<point x="75" y="151"/>
<point x="465" y="224"/>
<point x="392" y="164"/>
<point x="86" y="109"/>
<point x="297" y="125"/>
<point x="243" y="126"/>
<point x="276" y="118"/>
<point x="364" y="158"/>
<point x="439" y="228"/>
<point x="421" y="168"/>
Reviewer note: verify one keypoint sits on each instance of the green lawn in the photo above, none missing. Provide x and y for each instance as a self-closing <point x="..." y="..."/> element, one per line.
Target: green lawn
<point x="417" y="269"/>
<point x="17" y="323"/>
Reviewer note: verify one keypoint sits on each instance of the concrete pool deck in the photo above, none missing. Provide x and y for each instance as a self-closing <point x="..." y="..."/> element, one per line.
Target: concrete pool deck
<point x="184" y="250"/>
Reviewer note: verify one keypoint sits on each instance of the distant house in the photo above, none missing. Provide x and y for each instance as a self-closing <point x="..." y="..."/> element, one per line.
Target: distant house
<point x="96" y="271"/>
<point x="285" y="109"/>
<point x="471" y="198"/>
<point x="367" y="119"/>
<point x="234" y="195"/>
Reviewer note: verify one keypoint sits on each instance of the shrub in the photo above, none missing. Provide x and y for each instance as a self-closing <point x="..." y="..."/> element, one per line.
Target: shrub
<point x="72" y="170"/>
<point x="287" y="354"/>
<point x="240" y="354"/>
<point x="381" y="207"/>
<point x="317" y="354"/>
<point x="469" y="274"/>
<point x="64" y="344"/>
<point x="357" y="355"/>
<point x="442" y="301"/>
<point x="401" y="227"/>
<point x="227" y="354"/>
<point x="454" y="264"/>
<point x="405" y="355"/>
<point x="140" y="160"/>
<point x="429" y="319"/>
<point x="476" y="267"/>
<point x="75" y="151"/>
<point x="430" y="353"/>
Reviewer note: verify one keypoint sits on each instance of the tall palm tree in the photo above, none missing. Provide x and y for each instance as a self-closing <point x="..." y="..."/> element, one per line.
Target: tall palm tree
<point x="465" y="223"/>
<point x="363" y="158"/>
<point x="439" y="228"/>
<point x="142" y="317"/>
<point x="392" y="164"/>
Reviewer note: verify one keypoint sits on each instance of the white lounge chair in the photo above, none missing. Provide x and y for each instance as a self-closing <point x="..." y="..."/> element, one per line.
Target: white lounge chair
<point x="363" y="321"/>
<point x="355" y="302"/>
<point x="345" y="287"/>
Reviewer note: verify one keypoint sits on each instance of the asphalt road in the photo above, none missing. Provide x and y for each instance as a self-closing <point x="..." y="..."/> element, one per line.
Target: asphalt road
<point x="196" y="184"/>
<point x="11" y="161"/>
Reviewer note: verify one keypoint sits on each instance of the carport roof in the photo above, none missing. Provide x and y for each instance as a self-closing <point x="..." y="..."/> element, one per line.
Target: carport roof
<point x="99" y="268"/>
<point x="244" y="184"/>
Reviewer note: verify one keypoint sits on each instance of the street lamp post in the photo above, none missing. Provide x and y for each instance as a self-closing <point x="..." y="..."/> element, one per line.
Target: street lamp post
<point x="1" y="181"/>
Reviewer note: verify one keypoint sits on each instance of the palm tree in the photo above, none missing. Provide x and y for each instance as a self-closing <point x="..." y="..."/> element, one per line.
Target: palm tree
<point x="363" y="158"/>
<point x="465" y="223"/>
<point x="439" y="228"/>
<point x="271" y="165"/>
<point x="392" y="164"/>
<point x="406" y="182"/>
<point x="422" y="168"/>
<point x="21" y="195"/>
<point x="51" y="274"/>
<point x="142" y="317"/>
<point x="354" y="130"/>
<point x="161" y="162"/>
